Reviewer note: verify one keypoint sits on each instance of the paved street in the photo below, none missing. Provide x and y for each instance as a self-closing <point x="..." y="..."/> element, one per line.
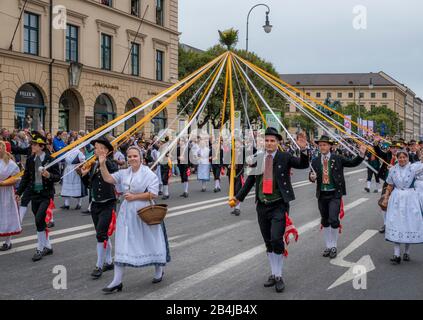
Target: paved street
<point x="216" y="255"/>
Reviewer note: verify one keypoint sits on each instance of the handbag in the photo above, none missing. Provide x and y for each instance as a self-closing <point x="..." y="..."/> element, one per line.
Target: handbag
<point x="153" y="214"/>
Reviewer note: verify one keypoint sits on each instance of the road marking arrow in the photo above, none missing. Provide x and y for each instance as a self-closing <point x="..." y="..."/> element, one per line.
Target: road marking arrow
<point x="364" y="261"/>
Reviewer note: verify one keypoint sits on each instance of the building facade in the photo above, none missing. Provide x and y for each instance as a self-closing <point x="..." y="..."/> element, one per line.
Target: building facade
<point x="369" y="90"/>
<point x="105" y="59"/>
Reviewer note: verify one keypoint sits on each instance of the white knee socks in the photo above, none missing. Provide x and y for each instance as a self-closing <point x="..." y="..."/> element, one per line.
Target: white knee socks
<point x="407" y="248"/>
<point x="369" y="184"/>
<point x="109" y="259"/>
<point x="40" y="238"/>
<point x="328" y="237"/>
<point x="334" y="237"/>
<point x="22" y="212"/>
<point x="278" y="260"/>
<point x="186" y="187"/>
<point x="80" y="202"/>
<point x="66" y="201"/>
<point x="271" y="262"/>
<point x="100" y="255"/>
<point x="47" y="241"/>
<point x="397" y="249"/>
<point x="217" y="184"/>
<point x="118" y="276"/>
<point x="158" y="271"/>
<point x="203" y="185"/>
<point x="166" y="190"/>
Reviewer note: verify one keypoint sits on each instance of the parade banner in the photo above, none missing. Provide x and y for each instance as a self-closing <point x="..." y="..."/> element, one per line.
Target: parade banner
<point x="271" y="121"/>
<point x="370" y="126"/>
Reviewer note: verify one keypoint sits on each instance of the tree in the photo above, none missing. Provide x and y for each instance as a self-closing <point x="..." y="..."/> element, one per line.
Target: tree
<point x="189" y="61"/>
<point x="228" y="38"/>
<point x="304" y="122"/>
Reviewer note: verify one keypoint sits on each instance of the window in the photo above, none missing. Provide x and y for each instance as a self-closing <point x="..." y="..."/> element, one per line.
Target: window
<point x="308" y="93"/>
<point x="350" y="95"/>
<point x="106" y="52"/>
<point x="135" y="7"/>
<point x="384" y="95"/>
<point x="159" y="65"/>
<point x="317" y="94"/>
<point x="135" y="59"/>
<point x="329" y="95"/>
<point x="339" y="94"/>
<point x="71" y="43"/>
<point x="361" y="95"/>
<point x="31" y="33"/>
<point x="373" y="95"/>
<point x="159" y="12"/>
<point x="107" y="3"/>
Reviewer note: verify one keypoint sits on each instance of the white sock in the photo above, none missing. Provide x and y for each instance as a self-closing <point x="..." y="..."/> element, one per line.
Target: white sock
<point x="8" y="240"/>
<point x="47" y="241"/>
<point x="40" y="240"/>
<point x="334" y="237"/>
<point x="109" y="259"/>
<point x="278" y="264"/>
<point x="160" y="187"/>
<point x="66" y="201"/>
<point x="238" y="206"/>
<point x="186" y="187"/>
<point x="166" y="190"/>
<point x="328" y="237"/>
<point x="100" y="254"/>
<point x="272" y="264"/>
<point x="203" y="185"/>
<point x="22" y="212"/>
<point x="397" y="249"/>
<point x="377" y="186"/>
<point x="80" y="201"/>
<point x="407" y="248"/>
<point x="158" y="271"/>
<point x="369" y="184"/>
<point x="118" y="276"/>
<point x="217" y="184"/>
<point x="384" y="217"/>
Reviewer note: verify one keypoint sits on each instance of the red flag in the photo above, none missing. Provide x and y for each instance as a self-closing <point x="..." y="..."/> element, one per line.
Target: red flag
<point x="188" y="171"/>
<point x="222" y="171"/>
<point x="341" y="214"/>
<point x="289" y="229"/>
<point x="112" y="227"/>
<point x="242" y="180"/>
<point x="49" y="214"/>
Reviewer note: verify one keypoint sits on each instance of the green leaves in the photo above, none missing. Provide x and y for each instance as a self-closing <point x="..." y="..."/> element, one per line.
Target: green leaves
<point x="228" y="38"/>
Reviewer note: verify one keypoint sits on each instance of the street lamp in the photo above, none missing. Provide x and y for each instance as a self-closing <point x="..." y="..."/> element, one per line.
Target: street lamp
<point x="267" y="28"/>
<point x="371" y="86"/>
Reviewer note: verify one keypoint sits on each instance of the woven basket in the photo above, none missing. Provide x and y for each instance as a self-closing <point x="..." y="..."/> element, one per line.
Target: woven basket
<point x="153" y="214"/>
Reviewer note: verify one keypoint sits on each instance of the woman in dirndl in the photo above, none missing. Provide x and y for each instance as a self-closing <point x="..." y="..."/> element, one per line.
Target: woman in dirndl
<point x="72" y="186"/>
<point x="137" y="244"/>
<point x="203" y="156"/>
<point x="404" y="219"/>
<point x="10" y="223"/>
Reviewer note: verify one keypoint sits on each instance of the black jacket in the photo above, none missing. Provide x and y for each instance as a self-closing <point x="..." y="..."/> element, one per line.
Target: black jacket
<point x="413" y="157"/>
<point x="282" y="164"/>
<point x="387" y="157"/>
<point x="28" y="178"/>
<point x="337" y="164"/>
<point x="100" y="190"/>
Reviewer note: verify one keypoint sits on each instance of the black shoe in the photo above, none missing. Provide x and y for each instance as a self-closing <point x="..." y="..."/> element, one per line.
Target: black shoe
<point x="406" y="257"/>
<point x="65" y="207"/>
<point x="37" y="256"/>
<point x="203" y="190"/>
<point x="47" y="252"/>
<point x="395" y="260"/>
<point x="382" y="229"/>
<point x="97" y="272"/>
<point x="86" y="212"/>
<point x="5" y="247"/>
<point x="50" y="224"/>
<point x="218" y="190"/>
<point x="78" y="207"/>
<point x="326" y="253"/>
<point x="165" y="197"/>
<point x="270" y="282"/>
<point x="333" y="253"/>
<point x="279" y="285"/>
<point x="160" y="193"/>
<point x="157" y="280"/>
<point x="376" y="191"/>
<point x="237" y="212"/>
<point x="184" y="195"/>
<point x="119" y="288"/>
<point x="367" y="190"/>
<point x="108" y="267"/>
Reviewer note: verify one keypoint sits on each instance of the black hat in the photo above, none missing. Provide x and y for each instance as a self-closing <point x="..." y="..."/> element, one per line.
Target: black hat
<point x="38" y="138"/>
<point x="104" y="142"/>
<point x="270" y="131"/>
<point x="326" y="139"/>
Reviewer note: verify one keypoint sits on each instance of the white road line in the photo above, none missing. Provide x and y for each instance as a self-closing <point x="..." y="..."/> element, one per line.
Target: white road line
<point x="185" y="283"/>
<point x="58" y="240"/>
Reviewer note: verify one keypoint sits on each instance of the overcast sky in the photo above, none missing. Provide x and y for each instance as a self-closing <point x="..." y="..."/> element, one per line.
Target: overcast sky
<point x="317" y="36"/>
